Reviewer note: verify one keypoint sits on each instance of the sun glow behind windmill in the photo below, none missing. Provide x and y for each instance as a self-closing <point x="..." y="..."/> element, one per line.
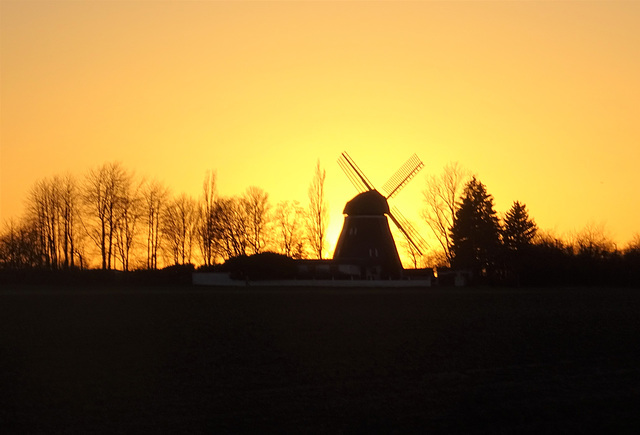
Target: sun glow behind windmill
<point x="365" y="239"/>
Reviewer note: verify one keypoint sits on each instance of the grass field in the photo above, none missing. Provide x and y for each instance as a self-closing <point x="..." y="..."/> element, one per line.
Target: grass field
<point x="194" y="360"/>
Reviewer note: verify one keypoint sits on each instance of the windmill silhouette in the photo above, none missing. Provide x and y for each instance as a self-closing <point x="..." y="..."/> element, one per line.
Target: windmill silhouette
<point x="366" y="242"/>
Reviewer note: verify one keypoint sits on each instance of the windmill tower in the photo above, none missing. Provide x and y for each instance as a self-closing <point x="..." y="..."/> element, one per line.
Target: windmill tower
<point x="366" y="245"/>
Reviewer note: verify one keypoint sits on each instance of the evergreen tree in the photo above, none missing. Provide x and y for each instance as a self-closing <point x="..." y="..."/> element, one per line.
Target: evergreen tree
<point x="517" y="235"/>
<point x="475" y="234"/>
<point x="519" y="229"/>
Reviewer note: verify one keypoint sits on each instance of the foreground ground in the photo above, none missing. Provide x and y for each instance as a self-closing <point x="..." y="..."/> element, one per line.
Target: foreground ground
<point x="191" y="360"/>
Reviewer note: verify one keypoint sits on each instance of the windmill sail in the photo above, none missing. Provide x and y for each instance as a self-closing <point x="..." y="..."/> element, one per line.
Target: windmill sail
<point x="402" y="176"/>
<point x="354" y="174"/>
<point x="409" y="231"/>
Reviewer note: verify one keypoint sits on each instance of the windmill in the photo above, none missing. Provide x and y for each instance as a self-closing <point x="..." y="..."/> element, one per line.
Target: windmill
<point x="365" y="243"/>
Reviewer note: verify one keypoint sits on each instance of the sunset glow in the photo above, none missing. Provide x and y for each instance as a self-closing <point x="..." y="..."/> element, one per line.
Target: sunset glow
<point x="540" y="99"/>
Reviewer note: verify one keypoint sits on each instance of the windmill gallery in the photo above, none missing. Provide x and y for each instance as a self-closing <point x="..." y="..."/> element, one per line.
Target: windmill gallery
<point x="366" y="249"/>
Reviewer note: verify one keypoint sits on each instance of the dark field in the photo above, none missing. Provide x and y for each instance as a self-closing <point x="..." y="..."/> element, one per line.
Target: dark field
<point x="190" y="360"/>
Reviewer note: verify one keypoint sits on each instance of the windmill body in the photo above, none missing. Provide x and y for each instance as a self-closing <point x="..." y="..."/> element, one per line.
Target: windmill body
<point x="366" y="246"/>
<point x="365" y="240"/>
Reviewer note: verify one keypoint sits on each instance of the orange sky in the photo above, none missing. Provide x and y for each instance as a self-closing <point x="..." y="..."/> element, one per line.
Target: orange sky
<point x="540" y="99"/>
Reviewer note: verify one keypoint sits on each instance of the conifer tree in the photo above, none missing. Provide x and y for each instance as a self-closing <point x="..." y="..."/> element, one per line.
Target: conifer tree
<point x="519" y="229"/>
<point x="475" y="234"/>
<point x="517" y="236"/>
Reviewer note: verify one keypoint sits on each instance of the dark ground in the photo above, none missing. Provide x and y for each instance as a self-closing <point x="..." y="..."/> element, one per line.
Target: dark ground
<point x="191" y="360"/>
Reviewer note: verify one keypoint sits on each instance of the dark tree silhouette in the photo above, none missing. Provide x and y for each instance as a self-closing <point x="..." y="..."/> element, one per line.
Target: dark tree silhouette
<point x="129" y="213"/>
<point x="518" y="232"/>
<point x="318" y="213"/>
<point x="179" y="225"/>
<point x="288" y="219"/>
<point x="475" y="235"/>
<point x="19" y="246"/>
<point x="593" y="241"/>
<point x="632" y="260"/>
<point x="230" y="227"/>
<point x="52" y="212"/>
<point x="206" y="227"/>
<point x="441" y="203"/>
<point x="102" y="197"/>
<point x="43" y="206"/>
<point x="634" y="243"/>
<point x="256" y="205"/>
<point x="155" y="196"/>
<point x="69" y="212"/>
<point x="595" y="255"/>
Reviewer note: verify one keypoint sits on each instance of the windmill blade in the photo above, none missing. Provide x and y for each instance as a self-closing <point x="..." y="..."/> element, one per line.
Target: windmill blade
<point x="354" y="174"/>
<point x="403" y="224"/>
<point x="402" y="176"/>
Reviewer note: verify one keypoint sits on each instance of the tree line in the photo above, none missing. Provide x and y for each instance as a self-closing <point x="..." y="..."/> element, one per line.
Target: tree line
<point x="512" y="250"/>
<point x="112" y="219"/>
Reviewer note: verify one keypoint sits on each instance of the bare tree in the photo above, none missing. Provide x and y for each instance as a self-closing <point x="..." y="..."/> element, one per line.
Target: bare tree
<point x="550" y="239"/>
<point x="129" y="212"/>
<point x="52" y="211"/>
<point x="179" y="228"/>
<point x="9" y="254"/>
<point x="436" y="259"/>
<point x="206" y="228"/>
<point x="69" y="214"/>
<point x="634" y="244"/>
<point x="102" y="195"/>
<point x="155" y="196"/>
<point x="43" y="206"/>
<point x="19" y="246"/>
<point x="594" y="241"/>
<point x="441" y="202"/>
<point x="289" y="220"/>
<point x="256" y="204"/>
<point x="231" y="224"/>
<point x="318" y="212"/>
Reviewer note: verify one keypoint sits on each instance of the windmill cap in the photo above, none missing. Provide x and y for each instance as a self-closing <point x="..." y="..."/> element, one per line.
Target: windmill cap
<point x="367" y="203"/>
